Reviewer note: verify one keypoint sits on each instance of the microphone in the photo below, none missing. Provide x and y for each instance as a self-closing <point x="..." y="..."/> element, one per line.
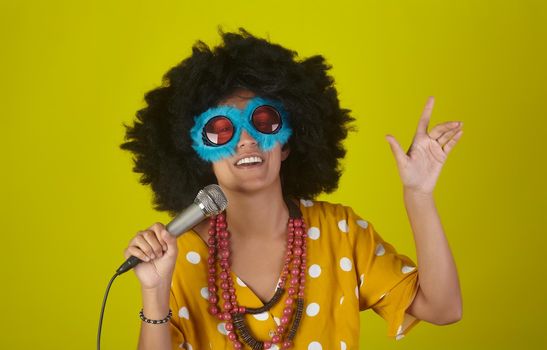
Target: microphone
<point x="209" y="201"/>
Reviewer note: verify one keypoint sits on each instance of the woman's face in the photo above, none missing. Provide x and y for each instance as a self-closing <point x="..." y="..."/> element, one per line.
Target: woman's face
<point x="250" y="169"/>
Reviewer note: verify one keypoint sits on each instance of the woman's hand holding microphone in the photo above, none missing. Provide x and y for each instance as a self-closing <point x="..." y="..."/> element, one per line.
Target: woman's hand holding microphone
<point x="158" y="251"/>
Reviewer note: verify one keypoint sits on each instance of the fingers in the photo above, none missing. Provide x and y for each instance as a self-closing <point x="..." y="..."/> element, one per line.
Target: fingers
<point x="169" y="240"/>
<point x="143" y="245"/>
<point x="450" y="144"/>
<point x="446" y="136"/>
<point x="135" y="251"/>
<point x="149" y="244"/>
<point x="440" y="129"/>
<point x="426" y="115"/>
<point x="396" y="149"/>
<point x="157" y="229"/>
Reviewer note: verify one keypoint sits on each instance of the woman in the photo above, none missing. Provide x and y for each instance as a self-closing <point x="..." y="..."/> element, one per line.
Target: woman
<point x="276" y="270"/>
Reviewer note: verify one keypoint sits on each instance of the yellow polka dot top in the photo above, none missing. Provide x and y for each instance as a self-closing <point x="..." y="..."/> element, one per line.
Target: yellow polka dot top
<point x="350" y="269"/>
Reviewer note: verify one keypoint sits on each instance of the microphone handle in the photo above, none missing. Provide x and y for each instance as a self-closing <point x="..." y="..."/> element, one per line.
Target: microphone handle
<point x="188" y="218"/>
<point x="128" y="264"/>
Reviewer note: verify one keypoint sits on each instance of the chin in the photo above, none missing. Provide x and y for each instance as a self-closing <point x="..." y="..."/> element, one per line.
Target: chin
<point x="252" y="185"/>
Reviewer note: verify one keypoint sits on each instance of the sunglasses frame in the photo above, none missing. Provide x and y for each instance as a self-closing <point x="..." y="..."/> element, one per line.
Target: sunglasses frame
<point x="207" y="141"/>
<point x="241" y="119"/>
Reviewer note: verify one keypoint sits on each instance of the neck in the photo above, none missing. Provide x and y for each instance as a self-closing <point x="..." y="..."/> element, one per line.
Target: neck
<point x="261" y="214"/>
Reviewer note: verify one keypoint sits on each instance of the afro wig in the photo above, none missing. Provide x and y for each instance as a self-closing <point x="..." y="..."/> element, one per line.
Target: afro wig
<point x="160" y="138"/>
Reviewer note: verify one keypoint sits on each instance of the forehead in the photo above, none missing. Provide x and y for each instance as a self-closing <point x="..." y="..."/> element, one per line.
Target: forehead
<point x="239" y="98"/>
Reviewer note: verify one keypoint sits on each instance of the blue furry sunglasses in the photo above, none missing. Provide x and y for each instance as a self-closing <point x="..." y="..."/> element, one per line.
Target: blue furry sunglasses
<point x="216" y="131"/>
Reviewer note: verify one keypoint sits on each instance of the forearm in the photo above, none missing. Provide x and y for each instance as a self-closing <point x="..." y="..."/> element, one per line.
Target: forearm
<point x="155" y="306"/>
<point x="437" y="271"/>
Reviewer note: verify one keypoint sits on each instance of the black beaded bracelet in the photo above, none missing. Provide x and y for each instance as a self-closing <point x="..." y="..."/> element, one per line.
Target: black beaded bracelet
<point x="147" y="320"/>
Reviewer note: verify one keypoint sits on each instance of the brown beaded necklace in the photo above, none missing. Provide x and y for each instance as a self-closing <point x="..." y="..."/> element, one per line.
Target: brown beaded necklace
<point x="232" y="312"/>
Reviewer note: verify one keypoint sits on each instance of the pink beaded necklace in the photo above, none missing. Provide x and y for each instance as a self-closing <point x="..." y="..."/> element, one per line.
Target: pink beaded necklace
<point x="231" y="312"/>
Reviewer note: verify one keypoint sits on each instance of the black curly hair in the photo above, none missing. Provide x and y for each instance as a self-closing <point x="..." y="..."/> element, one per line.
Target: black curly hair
<point x="160" y="137"/>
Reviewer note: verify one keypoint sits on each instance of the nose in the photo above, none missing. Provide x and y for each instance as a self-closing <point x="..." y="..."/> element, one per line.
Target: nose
<point x="246" y="140"/>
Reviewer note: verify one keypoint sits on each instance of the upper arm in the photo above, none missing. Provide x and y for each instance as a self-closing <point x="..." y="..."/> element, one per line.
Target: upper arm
<point x="420" y="309"/>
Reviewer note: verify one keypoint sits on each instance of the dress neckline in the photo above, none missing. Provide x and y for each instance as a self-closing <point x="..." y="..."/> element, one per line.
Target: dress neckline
<point x="294" y="211"/>
<point x="237" y="278"/>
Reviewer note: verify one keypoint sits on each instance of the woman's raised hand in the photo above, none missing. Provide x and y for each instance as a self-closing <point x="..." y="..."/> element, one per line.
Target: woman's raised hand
<point x="158" y="251"/>
<point x="420" y="166"/>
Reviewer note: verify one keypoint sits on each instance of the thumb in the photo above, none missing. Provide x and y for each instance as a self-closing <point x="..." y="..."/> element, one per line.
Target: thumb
<point x="169" y="239"/>
<point x="396" y="149"/>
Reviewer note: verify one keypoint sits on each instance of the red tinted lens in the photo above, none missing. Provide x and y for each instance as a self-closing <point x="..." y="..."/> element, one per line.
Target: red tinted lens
<point x="219" y="130"/>
<point x="266" y="119"/>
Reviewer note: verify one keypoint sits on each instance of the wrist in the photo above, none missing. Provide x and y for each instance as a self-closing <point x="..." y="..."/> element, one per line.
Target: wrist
<point x="408" y="191"/>
<point x="155" y="302"/>
<point x="155" y="321"/>
<point x="163" y="285"/>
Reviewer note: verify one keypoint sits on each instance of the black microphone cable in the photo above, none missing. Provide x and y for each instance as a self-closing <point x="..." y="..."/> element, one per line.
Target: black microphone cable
<point x="102" y="309"/>
<point x="126" y="266"/>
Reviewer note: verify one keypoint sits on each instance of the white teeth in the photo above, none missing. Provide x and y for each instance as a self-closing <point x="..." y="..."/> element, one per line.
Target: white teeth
<point x="249" y="160"/>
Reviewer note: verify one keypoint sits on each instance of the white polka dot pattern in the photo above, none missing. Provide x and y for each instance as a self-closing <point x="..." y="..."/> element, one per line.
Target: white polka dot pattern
<point x="315" y="346"/>
<point x="362" y="279"/>
<point x="222" y="328"/>
<point x="314" y="233"/>
<point x="341" y="300"/>
<point x="263" y="316"/>
<point x="345" y="264"/>
<point x="312" y="309"/>
<point x="343" y="226"/>
<point x="400" y="334"/>
<point x="380" y="250"/>
<point x="186" y="346"/>
<point x="314" y="270"/>
<point x="307" y="203"/>
<point x="407" y="269"/>
<point x="193" y="257"/>
<point x="240" y="282"/>
<point x="183" y="313"/>
<point x="343" y="345"/>
<point x="204" y="293"/>
<point x="362" y="223"/>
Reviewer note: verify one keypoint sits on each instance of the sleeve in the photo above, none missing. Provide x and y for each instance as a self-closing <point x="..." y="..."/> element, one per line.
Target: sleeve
<point x="178" y="340"/>
<point x="387" y="281"/>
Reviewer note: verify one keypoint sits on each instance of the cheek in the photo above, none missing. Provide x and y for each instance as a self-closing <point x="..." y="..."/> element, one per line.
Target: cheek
<point x="275" y="160"/>
<point x="220" y="168"/>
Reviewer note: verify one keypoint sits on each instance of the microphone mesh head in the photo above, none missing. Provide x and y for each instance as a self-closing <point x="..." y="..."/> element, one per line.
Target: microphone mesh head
<point x="212" y="199"/>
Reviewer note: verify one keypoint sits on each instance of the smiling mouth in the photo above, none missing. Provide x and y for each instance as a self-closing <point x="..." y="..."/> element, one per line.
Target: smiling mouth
<point x="249" y="162"/>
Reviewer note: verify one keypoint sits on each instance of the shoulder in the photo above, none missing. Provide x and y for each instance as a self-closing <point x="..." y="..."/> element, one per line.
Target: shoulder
<point x="315" y="207"/>
<point x="334" y="216"/>
<point x="323" y="210"/>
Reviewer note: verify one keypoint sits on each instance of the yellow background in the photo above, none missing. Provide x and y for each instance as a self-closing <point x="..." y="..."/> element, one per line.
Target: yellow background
<point x="72" y="72"/>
